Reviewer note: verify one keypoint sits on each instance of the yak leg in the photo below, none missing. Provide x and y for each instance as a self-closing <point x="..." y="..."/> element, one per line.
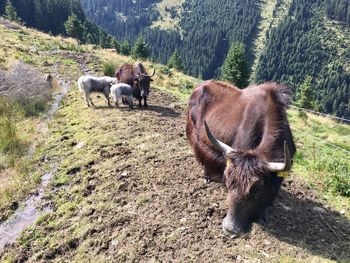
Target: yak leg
<point x="145" y="105"/>
<point x="130" y="102"/>
<point x="140" y="103"/>
<point x="124" y="101"/>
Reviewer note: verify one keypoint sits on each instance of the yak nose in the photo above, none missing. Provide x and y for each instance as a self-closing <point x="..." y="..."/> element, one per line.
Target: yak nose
<point x="231" y="229"/>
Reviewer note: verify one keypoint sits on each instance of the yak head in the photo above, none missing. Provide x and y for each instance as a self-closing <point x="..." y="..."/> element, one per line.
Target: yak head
<point x="142" y="82"/>
<point x="252" y="185"/>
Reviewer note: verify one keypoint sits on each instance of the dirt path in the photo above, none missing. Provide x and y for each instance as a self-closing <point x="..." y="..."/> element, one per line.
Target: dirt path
<point x="129" y="189"/>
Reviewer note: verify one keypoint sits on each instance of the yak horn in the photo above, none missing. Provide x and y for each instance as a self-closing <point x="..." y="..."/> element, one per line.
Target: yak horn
<point x="154" y="72"/>
<point x="222" y="147"/>
<point x="279" y="167"/>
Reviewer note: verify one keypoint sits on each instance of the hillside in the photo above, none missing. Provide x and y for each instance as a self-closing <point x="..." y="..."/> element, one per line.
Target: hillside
<point x="125" y="185"/>
<point x="286" y="40"/>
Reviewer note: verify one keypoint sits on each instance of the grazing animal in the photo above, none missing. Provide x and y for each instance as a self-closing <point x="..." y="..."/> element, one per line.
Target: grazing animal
<point x="88" y="84"/>
<point x="122" y="90"/>
<point x="242" y="138"/>
<point x="136" y="74"/>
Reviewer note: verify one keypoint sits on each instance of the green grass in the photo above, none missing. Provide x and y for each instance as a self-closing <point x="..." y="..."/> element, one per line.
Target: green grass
<point x="108" y="68"/>
<point x="322" y="156"/>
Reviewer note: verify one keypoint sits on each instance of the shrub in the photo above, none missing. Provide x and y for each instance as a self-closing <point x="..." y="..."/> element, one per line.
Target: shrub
<point x="108" y="68"/>
<point x="164" y="70"/>
<point x="338" y="180"/>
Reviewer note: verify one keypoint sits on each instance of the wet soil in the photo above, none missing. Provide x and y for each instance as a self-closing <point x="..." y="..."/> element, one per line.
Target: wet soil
<point x="139" y="197"/>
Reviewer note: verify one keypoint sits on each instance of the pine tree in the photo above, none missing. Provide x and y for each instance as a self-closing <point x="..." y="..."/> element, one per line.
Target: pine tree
<point x="175" y="61"/>
<point x="235" y="67"/>
<point x="140" y="49"/>
<point x="125" y="48"/>
<point x="306" y="95"/>
<point x="74" y="27"/>
<point x="10" y="12"/>
<point x="116" y="45"/>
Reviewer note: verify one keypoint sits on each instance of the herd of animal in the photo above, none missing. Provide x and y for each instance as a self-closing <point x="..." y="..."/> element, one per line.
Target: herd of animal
<point x="241" y="137"/>
<point x="130" y="81"/>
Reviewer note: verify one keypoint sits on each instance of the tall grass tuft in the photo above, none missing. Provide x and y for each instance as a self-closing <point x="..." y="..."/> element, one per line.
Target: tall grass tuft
<point x="108" y="68"/>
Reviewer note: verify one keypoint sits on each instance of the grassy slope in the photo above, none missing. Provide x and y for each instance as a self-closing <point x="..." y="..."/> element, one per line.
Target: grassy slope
<point x="165" y="21"/>
<point x="336" y="38"/>
<point x="27" y="45"/>
<point x="271" y="16"/>
<point x="86" y="225"/>
<point x="50" y="55"/>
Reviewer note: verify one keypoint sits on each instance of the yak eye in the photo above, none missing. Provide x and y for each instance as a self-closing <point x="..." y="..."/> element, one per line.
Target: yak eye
<point x="150" y="79"/>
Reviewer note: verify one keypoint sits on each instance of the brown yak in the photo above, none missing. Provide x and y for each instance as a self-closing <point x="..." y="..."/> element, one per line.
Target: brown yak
<point x="242" y="138"/>
<point x="137" y="77"/>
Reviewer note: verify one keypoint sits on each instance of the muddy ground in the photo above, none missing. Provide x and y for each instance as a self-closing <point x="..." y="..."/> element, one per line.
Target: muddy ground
<point x="129" y="190"/>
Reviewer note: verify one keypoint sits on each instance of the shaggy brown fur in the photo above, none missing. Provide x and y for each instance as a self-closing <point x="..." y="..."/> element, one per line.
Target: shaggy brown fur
<point x="253" y="121"/>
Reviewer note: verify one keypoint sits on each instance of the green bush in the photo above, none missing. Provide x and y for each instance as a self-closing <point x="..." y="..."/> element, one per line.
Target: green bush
<point x="164" y="70"/>
<point x="33" y="107"/>
<point x="338" y="179"/>
<point x="186" y="86"/>
<point x="108" y="68"/>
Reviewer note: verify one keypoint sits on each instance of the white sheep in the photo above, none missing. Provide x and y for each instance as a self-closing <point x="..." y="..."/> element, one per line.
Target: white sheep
<point x="122" y="90"/>
<point x="88" y="84"/>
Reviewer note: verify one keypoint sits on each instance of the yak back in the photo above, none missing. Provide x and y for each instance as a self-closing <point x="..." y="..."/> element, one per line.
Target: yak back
<point x="253" y="119"/>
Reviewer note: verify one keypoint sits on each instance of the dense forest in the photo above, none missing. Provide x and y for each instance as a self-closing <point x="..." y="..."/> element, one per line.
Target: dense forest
<point x="50" y="16"/>
<point x="339" y="10"/>
<point x="301" y="46"/>
<point x="201" y="48"/>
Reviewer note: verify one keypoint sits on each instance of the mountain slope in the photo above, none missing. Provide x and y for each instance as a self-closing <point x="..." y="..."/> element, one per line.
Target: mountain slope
<point x="286" y="40"/>
<point x="308" y="43"/>
<point x="202" y="49"/>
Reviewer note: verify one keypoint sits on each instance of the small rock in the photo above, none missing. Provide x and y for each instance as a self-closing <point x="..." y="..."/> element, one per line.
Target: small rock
<point x="319" y="209"/>
<point x="114" y="242"/>
<point x="265" y="254"/>
<point x="239" y="258"/>
<point x="267" y="242"/>
<point x="287" y="208"/>
<point x="215" y="205"/>
<point x="80" y="145"/>
<point x="125" y="173"/>
<point x="342" y="212"/>
<point x="183" y="220"/>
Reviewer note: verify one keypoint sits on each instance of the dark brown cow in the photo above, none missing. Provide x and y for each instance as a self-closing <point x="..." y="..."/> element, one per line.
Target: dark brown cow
<point x="246" y="143"/>
<point x="137" y="77"/>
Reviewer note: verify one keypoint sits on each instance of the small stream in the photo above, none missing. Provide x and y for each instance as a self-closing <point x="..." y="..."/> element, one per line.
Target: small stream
<point x="29" y="211"/>
<point x="24" y="216"/>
